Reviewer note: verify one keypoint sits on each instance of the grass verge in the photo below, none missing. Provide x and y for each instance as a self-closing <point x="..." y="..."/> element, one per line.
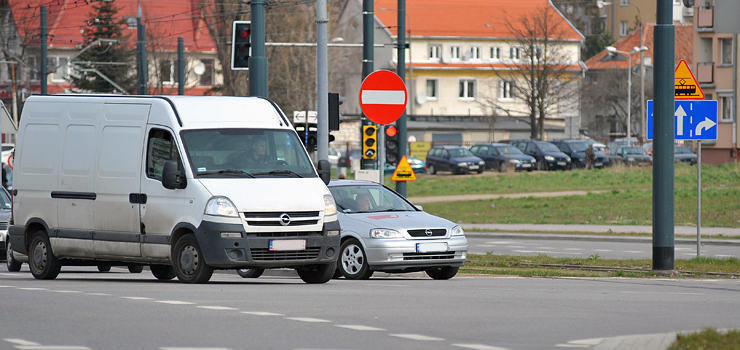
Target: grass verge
<point x="708" y="339"/>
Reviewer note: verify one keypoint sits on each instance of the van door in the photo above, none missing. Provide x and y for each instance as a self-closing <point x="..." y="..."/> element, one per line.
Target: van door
<point x="117" y="224"/>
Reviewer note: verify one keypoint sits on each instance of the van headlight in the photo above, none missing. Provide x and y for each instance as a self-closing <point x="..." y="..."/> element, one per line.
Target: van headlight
<point x="330" y="208"/>
<point x="385" y="233"/>
<point x="221" y="206"/>
<point x="457" y="231"/>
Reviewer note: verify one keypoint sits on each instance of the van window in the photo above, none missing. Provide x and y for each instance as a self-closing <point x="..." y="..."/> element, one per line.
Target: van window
<point x="160" y="148"/>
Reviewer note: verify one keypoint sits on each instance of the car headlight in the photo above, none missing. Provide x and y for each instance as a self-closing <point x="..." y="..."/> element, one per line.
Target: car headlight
<point x="482" y="163"/>
<point x="462" y="164"/>
<point x="567" y="159"/>
<point x="221" y="206"/>
<point x="514" y="161"/>
<point x="330" y="208"/>
<point x="550" y="158"/>
<point x="457" y="231"/>
<point x="385" y="233"/>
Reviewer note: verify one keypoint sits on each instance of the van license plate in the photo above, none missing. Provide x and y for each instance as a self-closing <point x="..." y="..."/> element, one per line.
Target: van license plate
<point x="431" y="247"/>
<point x="292" y="244"/>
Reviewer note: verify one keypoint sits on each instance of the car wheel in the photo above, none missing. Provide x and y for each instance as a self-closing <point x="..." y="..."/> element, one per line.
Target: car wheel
<point x="352" y="261"/>
<point x="337" y="273"/>
<point x="103" y="268"/>
<point x="541" y="165"/>
<point x="502" y="167"/>
<point x="316" y="274"/>
<point x="135" y="268"/>
<point x="163" y="272"/>
<point x="442" y="273"/>
<point x="10" y="262"/>
<point x="432" y="170"/>
<point x="190" y="266"/>
<point x="250" y="273"/>
<point x="44" y="265"/>
<point x="479" y="171"/>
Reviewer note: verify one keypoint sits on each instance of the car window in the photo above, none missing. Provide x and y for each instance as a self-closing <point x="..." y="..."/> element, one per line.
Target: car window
<point x="445" y="154"/>
<point x="459" y="152"/>
<point x="4" y="200"/>
<point x="474" y="149"/>
<point x="580" y="146"/>
<point x="509" y="150"/>
<point x="531" y="147"/>
<point x="562" y="147"/>
<point x="547" y="147"/>
<point x="367" y="199"/>
<point x="682" y="150"/>
<point x="633" y="150"/>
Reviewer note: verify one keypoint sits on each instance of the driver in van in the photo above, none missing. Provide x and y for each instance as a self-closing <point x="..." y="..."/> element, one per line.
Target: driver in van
<point x="256" y="155"/>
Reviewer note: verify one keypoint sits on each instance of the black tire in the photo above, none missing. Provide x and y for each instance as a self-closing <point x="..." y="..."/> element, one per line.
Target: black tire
<point x="135" y="268"/>
<point x="352" y="261"/>
<point x="432" y="169"/>
<point x="337" y="273"/>
<point x="502" y="167"/>
<point x="316" y="274"/>
<point x="44" y="265"/>
<point x="163" y="272"/>
<point x="442" y="273"/>
<point x="189" y="263"/>
<point x="250" y="273"/>
<point x="480" y="171"/>
<point x="104" y="268"/>
<point x="10" y="262"/>
<point x="541" y="165"/>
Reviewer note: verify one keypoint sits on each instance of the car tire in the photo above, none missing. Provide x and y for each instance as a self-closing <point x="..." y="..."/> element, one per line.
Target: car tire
<point x="189" y="263"/>
<point x="316" y="274"/>
<point x="44" y="265"/>
<point x="541" y="165"/>
<point x="163" y="272"/>
<point x="502" y="167"/>
<point x="353" y="262"/>
<point x="432" y="170"/>
<point x="10" y="262"/>
<point x="103" y="268"/>
<point x="442" y="273"/>
<point x="250" y="273"/>
<point x="479" y="171"/>
<point x="135" y="268"/>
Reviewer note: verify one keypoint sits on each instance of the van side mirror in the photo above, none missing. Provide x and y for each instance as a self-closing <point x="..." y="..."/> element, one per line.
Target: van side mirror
<point x="172" y="177"/>
<point x="325" y="171"/>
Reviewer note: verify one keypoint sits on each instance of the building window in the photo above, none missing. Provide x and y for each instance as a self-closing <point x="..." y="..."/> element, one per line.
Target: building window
<point x="475" y="52"/>
<point x="432" y="85"/>
<point x="623" y="28"/>
<point x="726" y="47"/>
<point x="505" y="89"/>
<point x="207" y="77"/>
<point x="434" y="52"/>
<point x="34" y="71"/>
<point x="725" y="108"/>
<point x="60" y="68"/>
<point x="514" y="53"/>
<point x="624" y="2"/>
<point x="496" y="53"/>
<point x="166" y="71"/>
<point x="455" y="52"/>
<point x="467" y="89"/>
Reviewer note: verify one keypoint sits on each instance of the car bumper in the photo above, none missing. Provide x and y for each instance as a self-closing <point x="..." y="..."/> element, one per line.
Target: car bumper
<point x="558" y="164"/>
<point x="402" y="254"/>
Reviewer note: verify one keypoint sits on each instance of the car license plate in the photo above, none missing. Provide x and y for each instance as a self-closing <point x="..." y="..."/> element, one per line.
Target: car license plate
<point x="291" y="244"/>
<point x="431" y="247"/>
<point x="473" y="167"/>
<point x="526" y="165"/>
<point x="561" y="163"/>
<point x="598" y="164"/>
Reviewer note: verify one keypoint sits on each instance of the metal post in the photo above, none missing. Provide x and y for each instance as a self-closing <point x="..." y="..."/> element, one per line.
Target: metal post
<point x="368" y="39"/>
<point x="698" y="198"/>
<point x="139" y="53"/>
<point x="629" y="99"/>
<point x="44" y="66"/>
<point x="258" y="60"/>
<point x="664" y="124"/>
<point x="322" y="81"/>
<point x="401" y="123"/>
<point x="180" y="67"/>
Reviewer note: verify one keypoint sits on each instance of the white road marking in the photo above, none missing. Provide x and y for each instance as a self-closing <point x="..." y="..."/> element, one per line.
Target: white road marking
<point x="602" y="250"/>
<point x="306" y="319"/>
<point x="8" y="274"/>
<point x="416" y="337"/>
<point x="20" y="342"/>
<point x="545" y="248"/>
<point x="8" y="287"/>
<point x="65" y="291"/>
<point x="661" y="293"/>
<point x="516" y="246"/>
<point x="137" y="298"/>
<point x="632" y="251"/>
<point x="500" y="242"/>
<point x="478" y="347"/>
<point x="218" y="308"/>
<point x="175" y="302"/>
<point x="261" y="313"/>
<point x="684" y="249"/>
<point x="594" y="341"/>
<point x="360" y="328"/>
<point x="572" y="346"/>
<point x="573" y="249"/>
<point x="103" y="294"/>
<point x="32" y="288"/>
<point x="51" y="347"/>
<point x="170" y="348"/>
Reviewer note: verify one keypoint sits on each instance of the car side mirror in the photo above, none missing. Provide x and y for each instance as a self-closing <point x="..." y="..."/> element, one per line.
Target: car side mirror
<point x="419" y="207"/>
<point x="325" y="171"/>
<point x="172" y="177"/>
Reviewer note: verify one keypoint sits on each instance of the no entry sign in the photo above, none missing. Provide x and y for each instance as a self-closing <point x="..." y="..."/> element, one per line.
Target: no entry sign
<point x="383" y="97"/>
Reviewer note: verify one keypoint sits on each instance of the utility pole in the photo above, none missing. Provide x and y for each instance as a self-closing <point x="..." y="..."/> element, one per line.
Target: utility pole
<point x="44" y="67"/>
<point x="401" y="123"/>
<point x="180" y="67"/>
<point x="258" y="60"/>
<point x="322" y="81"/>
<point x="368" y="39"/>
<point x="140" y="54"/>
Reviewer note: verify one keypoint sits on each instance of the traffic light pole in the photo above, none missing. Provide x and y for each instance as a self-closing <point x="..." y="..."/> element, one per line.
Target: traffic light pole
<point x="322" y="81"/>
<point x="401" y="123"/>
<point x="258" y="60"/>
<point x="368" y="39"/>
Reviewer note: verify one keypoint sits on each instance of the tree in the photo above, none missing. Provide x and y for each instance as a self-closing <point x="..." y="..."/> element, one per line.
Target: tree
<point x="113" y="60"/>
<point x="597" y="42"/>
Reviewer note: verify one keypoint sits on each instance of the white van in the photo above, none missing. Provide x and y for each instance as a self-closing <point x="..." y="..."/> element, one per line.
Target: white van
<point x="182" y="184"/>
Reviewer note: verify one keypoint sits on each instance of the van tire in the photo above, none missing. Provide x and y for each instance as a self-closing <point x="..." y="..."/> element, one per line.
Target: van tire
<point x="250" y="273"/>
<point x="189" y="262"/>
<point x="104" y="268"/>
<point x="163" y="272"/>
<point x="316" y="274"/>
<point x="44" y="265"/>
<point x="135" y="268"/>
<point x="10" y="262"/>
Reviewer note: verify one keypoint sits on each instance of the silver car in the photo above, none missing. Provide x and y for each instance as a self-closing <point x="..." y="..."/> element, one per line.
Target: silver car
<point x="382" y="231"/>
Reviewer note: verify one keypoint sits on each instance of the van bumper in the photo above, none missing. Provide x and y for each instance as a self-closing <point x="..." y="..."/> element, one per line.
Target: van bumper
<point x="252" y="249"/>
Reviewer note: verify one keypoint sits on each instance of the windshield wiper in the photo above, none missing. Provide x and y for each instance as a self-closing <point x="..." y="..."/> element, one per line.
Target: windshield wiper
<point x="226" y="172"/>
<point x="279" y="172"/>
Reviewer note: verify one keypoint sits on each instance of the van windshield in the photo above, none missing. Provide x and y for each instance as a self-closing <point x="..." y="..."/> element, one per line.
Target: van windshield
<point x="251" y="153"/>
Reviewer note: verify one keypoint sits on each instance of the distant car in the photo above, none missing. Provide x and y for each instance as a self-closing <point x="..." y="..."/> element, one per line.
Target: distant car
<point x="12" y="264"/>
<point x="648" y="147"/>
<point x="334" y="155"/>
<point x="576" y="150"/>
<point x="353" y="154"/>
<point x="501" y="156"/>
<point x="382" y="231"/>
<point x="683" y="154"/>
<point x="7" y="150"/>
<point x="548" y="156"/>
<point x="417" y="165"/>
<point x="598" y="146"/>
<point x="456" y="159"/>
<point x="631" y="156"/>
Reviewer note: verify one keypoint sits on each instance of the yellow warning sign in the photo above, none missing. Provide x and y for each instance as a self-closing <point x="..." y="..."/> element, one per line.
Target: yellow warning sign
<point x="403" y="171"/>
<point x="686" y="86"/>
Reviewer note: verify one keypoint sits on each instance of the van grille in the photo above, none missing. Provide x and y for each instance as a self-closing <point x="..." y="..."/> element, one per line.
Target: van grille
<point x="297" y="218"/>
<point x="264" y="254"/>
<point x="3" y="226"/>
<point x="276" y="214"/>
<point x="284" y="234"/>
<point x="436" y="232"/>
<point x="277" y="223"/>
<point x="428" y="256"/>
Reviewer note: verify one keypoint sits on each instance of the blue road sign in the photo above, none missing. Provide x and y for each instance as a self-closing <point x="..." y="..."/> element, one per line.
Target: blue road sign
<point x="695" y="120"/>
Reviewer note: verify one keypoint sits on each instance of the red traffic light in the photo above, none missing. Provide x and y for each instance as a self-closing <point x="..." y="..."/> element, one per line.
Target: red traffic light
<point x="391" y="131"/>
<point x="244" y="33"/>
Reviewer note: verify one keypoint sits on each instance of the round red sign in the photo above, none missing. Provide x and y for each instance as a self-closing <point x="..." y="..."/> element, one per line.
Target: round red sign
<point x="383" y="97"/>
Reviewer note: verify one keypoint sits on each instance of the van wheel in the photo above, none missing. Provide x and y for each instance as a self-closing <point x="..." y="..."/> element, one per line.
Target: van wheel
<point x="315" y="274"/>
<point x="44" y="265"/>
<point x="353" y="262"/>
<point x="250" y="273"/>
<point x="135" y="268"/>
<point x="103" y="268"/>
<point x="442" y="273"/>
<point x="190" y="265"/>
<point x="432" y="170"/>
<point x="163" y="272"/>
<point x="10" y="262"/>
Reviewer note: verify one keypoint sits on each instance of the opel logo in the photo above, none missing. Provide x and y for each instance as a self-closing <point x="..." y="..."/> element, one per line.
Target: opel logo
<point x="428" y="232"/>
<point x="285" y="219"/>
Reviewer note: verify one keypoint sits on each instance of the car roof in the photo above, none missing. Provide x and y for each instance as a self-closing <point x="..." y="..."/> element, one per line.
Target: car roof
<point x="448" y="146"/>
<point x="337" y="182"/>
<point x="492" y="144"/>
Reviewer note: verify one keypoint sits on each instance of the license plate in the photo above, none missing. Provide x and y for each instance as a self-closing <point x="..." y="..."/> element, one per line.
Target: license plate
<point x="526" y="165"/>
<point x="431" y="247"/>
<point x="561" y="163"/>
<point x="291" y="244"/>
<point x="473" y="167"/>
<point x="598" y="164"/>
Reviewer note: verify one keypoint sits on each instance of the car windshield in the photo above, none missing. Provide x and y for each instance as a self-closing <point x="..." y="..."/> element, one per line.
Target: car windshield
<point x="249" y="153"/>
<point x="580" y="146"/>
<point x="509" y="150"/>
<point x="633" y="150"/>
<point x="682" y="150"/>
<point x="459" y="152"/>
<point x="352" y="199"/>
<point x="4" y="200"/>
<point x="547" y="147"/>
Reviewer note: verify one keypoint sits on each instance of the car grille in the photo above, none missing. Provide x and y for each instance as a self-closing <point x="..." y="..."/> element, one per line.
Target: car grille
<point x="3" y="226"/>
<point x="297" y="218"/>
<point x="264" y="254"/>
<point x="428" y="256"/>
<point x="436" y="232"/>
<point x="283" y="234"/>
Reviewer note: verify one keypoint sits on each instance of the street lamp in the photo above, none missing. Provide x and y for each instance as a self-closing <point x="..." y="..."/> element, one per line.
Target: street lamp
<point x="613" y="50"/>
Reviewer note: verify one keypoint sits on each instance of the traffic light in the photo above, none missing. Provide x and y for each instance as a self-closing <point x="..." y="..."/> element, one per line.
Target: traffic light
<point x="369" y="141"/>
<point x="334" y="117"/>
<point x="391" y="145"/>
<point x="241" y="45"/>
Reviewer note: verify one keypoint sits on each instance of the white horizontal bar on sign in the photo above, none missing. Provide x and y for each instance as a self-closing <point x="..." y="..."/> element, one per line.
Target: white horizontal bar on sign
<point x="383" y="97"/>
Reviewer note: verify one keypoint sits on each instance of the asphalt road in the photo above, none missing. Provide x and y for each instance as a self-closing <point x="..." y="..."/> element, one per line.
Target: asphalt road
<point x="85" y="309"/>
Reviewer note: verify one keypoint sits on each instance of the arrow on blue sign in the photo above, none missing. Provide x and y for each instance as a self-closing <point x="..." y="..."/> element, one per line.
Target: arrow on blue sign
<point x="695" y="120"/>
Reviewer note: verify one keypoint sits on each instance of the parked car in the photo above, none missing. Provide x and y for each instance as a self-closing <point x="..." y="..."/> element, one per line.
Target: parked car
<point x="417" y="165"/>
<point x="648" y="147"/>
<point x="598" y="146"/>
<point x="382" y="231"/>
<point x="501" y="156"/>
<point x="631" y="156"/>
<point x="547" y="155"/>
<point x="682" y="153"/>
<point x="7" y="150"/>
<point x="334" y="155"/>
<point x="12" y="264"/>
<point x="456" y="159"/>
<point x="353" y="154"/>
<point x="576" y="150"/>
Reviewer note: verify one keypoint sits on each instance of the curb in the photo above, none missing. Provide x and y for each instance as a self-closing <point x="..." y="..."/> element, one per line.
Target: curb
<point x="598" y="238"/>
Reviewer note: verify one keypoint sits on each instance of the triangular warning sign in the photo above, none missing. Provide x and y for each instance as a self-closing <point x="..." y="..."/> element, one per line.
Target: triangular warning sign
<point x="686" y="86"/>
<point x="403" y="171"/>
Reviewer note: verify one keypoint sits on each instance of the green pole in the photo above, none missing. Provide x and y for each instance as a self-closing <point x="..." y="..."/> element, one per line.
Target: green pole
<point x="180" y="67"/>
<point x="258" y="60"/>
<point x="368" y="39"/>
<point x="401" y="123"/>
<point x="44" y="68"/>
